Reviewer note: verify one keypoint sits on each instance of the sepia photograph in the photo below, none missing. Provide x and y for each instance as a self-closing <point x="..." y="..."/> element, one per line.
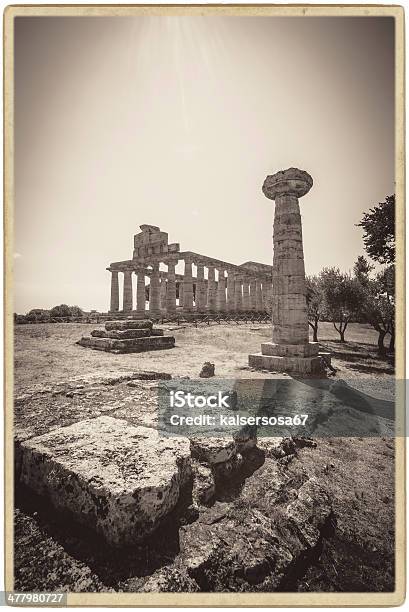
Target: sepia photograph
<point x="204" y="304"/>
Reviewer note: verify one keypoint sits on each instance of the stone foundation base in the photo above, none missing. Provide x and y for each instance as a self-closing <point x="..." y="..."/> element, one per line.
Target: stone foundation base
<point x="309" y="349"/>
<point x="291" y="358"/>
<point x="292" y="365"/>
<point x="131" y="345"/>
<point x="127" y="336"/>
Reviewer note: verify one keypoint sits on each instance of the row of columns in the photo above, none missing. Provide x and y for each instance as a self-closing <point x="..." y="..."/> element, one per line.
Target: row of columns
<point x="234" y="293"/>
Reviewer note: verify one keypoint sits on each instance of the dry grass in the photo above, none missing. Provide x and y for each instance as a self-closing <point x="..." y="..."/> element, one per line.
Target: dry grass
<point x="48" y="353"/>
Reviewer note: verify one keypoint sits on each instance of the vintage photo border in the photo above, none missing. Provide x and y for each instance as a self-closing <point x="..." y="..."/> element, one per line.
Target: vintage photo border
<point x="211" y="599"/>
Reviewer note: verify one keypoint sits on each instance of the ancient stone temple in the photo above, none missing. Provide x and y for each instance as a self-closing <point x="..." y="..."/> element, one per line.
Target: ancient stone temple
<point x="205" y="285"/>
<point x="290" y="349"/>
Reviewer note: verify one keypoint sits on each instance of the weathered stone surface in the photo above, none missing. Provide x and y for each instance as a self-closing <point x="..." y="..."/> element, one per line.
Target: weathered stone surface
<point x="229" y="545"/>
<point x="131" y="345"/>
<point x="310" y="510"/>
<point x="203" y="483"/>
<point x="290" y="350"/>
<point x="228" y="468"/>
<point x="292" y="181"/>
<point x="121" y="334"/>
<point x="128" y="324"/>
<point x="277" y="447"/>
<point x="170" y="580"/>
<point x="293" y="365"/>
<point x="117" y="479"/>
<point x="245" y="439"/>
<point x="212" y="450"/>
<point x="207" y="370"/>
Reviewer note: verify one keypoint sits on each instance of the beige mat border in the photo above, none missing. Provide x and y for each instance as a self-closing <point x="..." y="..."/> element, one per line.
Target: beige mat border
<point x="210" y="599"/>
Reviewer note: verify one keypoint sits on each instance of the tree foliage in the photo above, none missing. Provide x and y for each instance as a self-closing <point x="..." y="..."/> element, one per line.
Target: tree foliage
<point x="379" y="231"/>
<point x="315" y="303"/>
<point x="378" y="303"/>
<point x="343" y="297"/>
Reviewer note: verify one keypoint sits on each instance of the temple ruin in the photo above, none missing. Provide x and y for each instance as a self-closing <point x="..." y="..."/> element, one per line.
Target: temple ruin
<point x="207" y="285"/>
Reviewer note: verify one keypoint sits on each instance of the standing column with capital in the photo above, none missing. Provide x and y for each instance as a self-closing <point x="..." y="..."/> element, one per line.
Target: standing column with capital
<point x="290" y="349"/>
<point x="127" y="301"/>
<point x="154" y="306"/>
<point x="114" y="307"/>
<point x="211" y="289"/>
<point x="140" y="292"/>
<point x="200" y="288"/>
<point x="188" y="287"/>
<point x="221" y="292"/>
<point x="171" y="289"/>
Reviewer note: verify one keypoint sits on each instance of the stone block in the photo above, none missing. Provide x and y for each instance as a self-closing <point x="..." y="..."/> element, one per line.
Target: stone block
<point x="293" y="365"/>
<point x="116" y="479"/>
<point x="212" y="450"/>
<point x="309" y="349"/>
<point x="131" y="345"/>
<point x="128" y="324"/>
<point x="124" y="334"/>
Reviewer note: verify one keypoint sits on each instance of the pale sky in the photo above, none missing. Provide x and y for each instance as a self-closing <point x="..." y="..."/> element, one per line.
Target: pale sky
<point x="175" y="122"/>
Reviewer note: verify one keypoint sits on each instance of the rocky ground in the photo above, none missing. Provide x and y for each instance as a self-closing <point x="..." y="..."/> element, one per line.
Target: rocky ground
<point x="273" y="514"/>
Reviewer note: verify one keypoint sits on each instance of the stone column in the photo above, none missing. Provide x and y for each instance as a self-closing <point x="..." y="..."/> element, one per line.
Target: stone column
<point x="127" y="302"/>
<point x="230" y="291"/>
<point x="114" y="307"/>
<point x="200" y="288"/>
<point x="180" y="293"/>
<point x="188" y="287"/>
<point x="237" y="293"/>
<point x="246" y="295"/>
<point x="221" y="291"/>
<point x="211" y="289"/>
<point x="140" y="292"/>
<point x="163" y="288"/>
<point x="259" y="302"/>
<point x="290" y="349"/>
<point x="154" y="307"/>
<point x="267" y="289"/>
<point x="171" y="289"/>
<point x="253" y="294"/>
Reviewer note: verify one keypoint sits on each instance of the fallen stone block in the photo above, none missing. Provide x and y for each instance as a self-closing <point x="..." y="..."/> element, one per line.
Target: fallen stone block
<point x="157" y="332"/>
<point x="118" y="334"/>
<point x="117" y="479"/>
<point x="207" y="370"/>
<point x="128" y="324"/>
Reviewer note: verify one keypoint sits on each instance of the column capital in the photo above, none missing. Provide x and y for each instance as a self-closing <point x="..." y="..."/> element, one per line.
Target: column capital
<point x="292" y="181"/>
